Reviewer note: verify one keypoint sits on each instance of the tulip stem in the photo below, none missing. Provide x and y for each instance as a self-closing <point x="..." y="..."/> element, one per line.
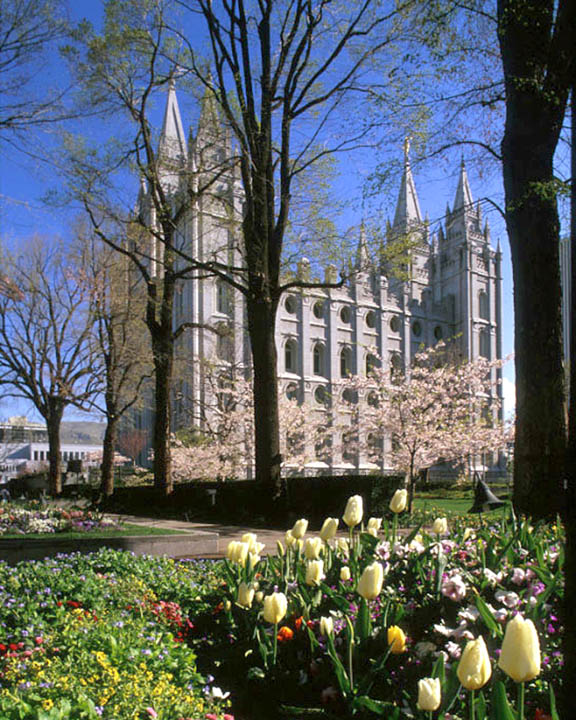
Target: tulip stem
<point x="275" y="646"/>
<point x="394" y="529"/>
<point x="521" y="701"/>
<point x="472" y="708"/>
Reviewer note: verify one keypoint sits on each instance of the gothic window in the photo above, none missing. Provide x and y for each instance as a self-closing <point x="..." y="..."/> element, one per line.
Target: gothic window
<point x="290" y="305"/>
<point x="318" y="309"/>
<point x="345" y="315"/>
<point x="291" y="355"/>
<point x="483" y="310"/>
<point x="438" y="332"/>
<point x="345" y="362"/>
<point x="319" y="359"/>
<point x="222" y="297"/>
<point x="484" y="342"/>
<point x="371" y="363"/>
<point x="224" y="343"/>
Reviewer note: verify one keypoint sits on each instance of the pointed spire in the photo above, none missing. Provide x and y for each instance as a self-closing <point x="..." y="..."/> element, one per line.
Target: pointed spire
<point x="172" y="138"/>
<point x="407" y="208"/>
<point x="363" y="259"/>
<point x="463" y="199"/>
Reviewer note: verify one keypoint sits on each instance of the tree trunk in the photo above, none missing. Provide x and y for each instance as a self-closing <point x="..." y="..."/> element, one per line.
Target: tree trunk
<point x="534" y="115"/>
<point x="107" y="470"/>
<point x="261" y="321"/>
<point x="163" y="364"/>
<point x="53" y="422"/>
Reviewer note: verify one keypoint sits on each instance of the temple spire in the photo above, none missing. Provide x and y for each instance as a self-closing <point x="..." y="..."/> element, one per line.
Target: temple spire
<point x="463" y="199"/>
<point x="363" y="259"/>
<point x="407" y="208"/>
<point x="172" y="138"/>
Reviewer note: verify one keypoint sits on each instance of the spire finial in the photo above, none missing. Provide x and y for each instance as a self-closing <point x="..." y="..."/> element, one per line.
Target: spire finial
<point x="407" y="141"/>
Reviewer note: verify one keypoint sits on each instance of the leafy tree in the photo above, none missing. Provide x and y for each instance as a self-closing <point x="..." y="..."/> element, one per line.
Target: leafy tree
<point x="46" y="350"/>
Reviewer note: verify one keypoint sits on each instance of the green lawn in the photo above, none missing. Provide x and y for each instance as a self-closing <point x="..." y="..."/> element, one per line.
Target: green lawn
<point x="126" y="530"/>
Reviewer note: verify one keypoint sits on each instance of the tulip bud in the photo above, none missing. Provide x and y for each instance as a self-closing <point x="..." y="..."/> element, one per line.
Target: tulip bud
<point x="312" y="548"/>
<point x="329" y="529"/>
<point x="399" y="501"/>
<point x="396" y="640"/>
<point x="237" y="552"/>
<point x="227" y="605"/>
<point x="344" y="573"/>
<point x="245" y="594"/>
<point x="251" y="539"/>
<point x="314" y="572"/>
<point x="253" y="560"/>
<point x="429" y="694"/>
<point x="371" y="580"/>
<point x="299" y="529"/>
<point x="259" y="596"/>
<point x="520" y="656"/>
<point x="280" y="549"/>
<point x="290" y="539"/>
<point x="326" y="626"/>
<point x="343" y="546"/>
<point x="354" y="511"/>
<point x="440" y="526"/>
<point x="275" y="607"/>
<point x="474" y="669"/>
<point x="374" y="524"/>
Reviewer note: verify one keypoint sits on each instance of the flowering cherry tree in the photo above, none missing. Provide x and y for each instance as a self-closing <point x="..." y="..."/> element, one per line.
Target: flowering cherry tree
<point x="223" y="447"/>
<point x="440" y="410"/>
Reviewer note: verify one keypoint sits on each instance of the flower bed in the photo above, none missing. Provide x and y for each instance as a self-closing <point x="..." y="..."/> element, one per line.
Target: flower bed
<point x="349" y="628"/>
<point x="103" y="636"/>
<point x="34" y="518"/>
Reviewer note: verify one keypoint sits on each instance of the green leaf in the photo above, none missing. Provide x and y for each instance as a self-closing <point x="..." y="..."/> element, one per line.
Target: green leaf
<point x="553" y="710"/>
<point x="487" y="616"/>
<point x="363" y="622"/>
<point x="255" y="673"/>
<point x="381" y="708"/>
<point x="501" y="709"/>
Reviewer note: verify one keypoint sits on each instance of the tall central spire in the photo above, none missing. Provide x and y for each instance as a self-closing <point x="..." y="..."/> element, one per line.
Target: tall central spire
<point x="407" y="208"/>
<point x="172" y="138"/>
<point x="463" y="199"/>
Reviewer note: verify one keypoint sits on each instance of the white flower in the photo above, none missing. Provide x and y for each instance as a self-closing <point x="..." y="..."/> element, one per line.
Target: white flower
<point x="492" y="577"/>
<point x="453" y="649"/>
<point x="471" y="613"/>
<point x="509" y="599"/>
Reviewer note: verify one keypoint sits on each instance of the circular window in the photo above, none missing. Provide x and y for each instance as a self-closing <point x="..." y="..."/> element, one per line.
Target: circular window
<point x="372" y="399"/>
<point x="395" y="323"/>
<point x="290" y="305"/>
<point x="438" y="332"/>
<point x="350" y="396"/>
<point x="292" y="391"/>
<point x="371" y="319"/>
<point x="318" y="309"/>
<point x="345" y="315"/>
<point x="321" y="395"/>
<point x="417" y="328"/>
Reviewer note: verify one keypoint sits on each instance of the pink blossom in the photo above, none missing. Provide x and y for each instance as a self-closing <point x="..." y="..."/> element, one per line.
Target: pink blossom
<point x="518" y="576"/>
<point x="509" y="599"/>
<point x="454" y="588"/>
<point x="151" y="712"/>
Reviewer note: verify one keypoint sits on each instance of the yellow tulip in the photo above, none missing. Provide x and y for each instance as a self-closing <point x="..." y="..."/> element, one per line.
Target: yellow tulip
<point x="344" y="573"/>
<point x="290" y="539"/>
<point x="520" y="656"/>
<point x="326" y="626"/>
<point x="354" y="511"/>
<point x="237" y="552"/>
<point x="312" y="548"/>
<point x="275" y="607"/>
<point x="371" y="580"/>
<point x="399" y="501"/>
<point x="329" y="529"/>
<point x="299" y="529"/>
<point x="429" y="694"/>
<point x="474" y="669"/>
<point x="251" y="539"/>
<point x="314" y="572"/>
<point x="245" y="594"/>
<point x="440" y="526"/>
<point x="374" y="524"/>
<point x="259" y="596"/>
<point x="396" y="640"/>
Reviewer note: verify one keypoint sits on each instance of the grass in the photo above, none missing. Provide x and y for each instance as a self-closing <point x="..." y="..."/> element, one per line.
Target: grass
<point x="456" y="500"/>
<point x="126" y="530"/>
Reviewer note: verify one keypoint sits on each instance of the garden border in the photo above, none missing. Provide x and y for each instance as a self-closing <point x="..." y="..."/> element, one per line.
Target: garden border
<point x="194" y="543"/>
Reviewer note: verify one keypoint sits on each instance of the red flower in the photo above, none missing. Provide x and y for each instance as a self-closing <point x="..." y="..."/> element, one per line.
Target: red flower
<point x="541" y="715"/>
<point x="73" y="603"/>
<point x="298" y="622"/>
<point x="285" y="634"/>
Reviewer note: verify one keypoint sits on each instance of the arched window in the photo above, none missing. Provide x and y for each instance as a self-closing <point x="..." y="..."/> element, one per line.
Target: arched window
<point x="484" y="342"/>
<point x="349" y="447"/>
<point x="319" y="359"/>
<point x="345" y="362"/>
<point x="483" y="309"/>
<point x="345" y="315"/>
<point x="396" y="367"/>
<point x="291" y="355"/>
<point x="222" y="297"/>
<point x="318" y="309"/>
<point x="290" y="304"/>
<point x="372" y="362"/>
<point x="224" y="342"/>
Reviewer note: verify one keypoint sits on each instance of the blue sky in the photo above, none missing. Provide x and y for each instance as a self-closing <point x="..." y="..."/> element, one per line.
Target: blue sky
<point x="25" y="179"/>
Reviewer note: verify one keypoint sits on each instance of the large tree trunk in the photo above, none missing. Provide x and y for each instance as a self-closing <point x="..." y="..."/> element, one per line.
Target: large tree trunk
<point x="107" y="470"/>
<point x="163" y="365"/>
<point x="53" y="422"/>
<point x="534" y="115"/>
<point x="261" y="322"/>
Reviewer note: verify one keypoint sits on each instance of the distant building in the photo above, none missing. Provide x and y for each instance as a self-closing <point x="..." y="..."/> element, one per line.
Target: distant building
<point x="454" y="288"/>
<point x="24" y="448"/>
